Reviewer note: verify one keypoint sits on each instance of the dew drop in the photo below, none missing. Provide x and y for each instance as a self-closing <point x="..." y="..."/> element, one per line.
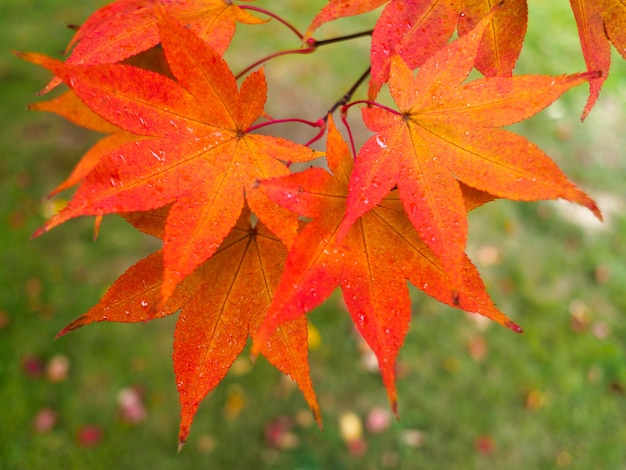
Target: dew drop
<point x="157" y="156"/>
<point x="144" y="304"/>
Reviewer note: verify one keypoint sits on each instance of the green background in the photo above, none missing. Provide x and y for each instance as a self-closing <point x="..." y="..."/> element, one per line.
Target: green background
<point x="471" y="395"/>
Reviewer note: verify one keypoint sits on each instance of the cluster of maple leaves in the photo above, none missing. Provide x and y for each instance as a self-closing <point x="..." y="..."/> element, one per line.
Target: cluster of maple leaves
<point x="250" y="246"/>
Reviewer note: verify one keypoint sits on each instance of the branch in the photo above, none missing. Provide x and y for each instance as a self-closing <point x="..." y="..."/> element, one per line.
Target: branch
<point x="345" y="99"/>
<point x="309" y="46"/>
<point x="263" y="11"/>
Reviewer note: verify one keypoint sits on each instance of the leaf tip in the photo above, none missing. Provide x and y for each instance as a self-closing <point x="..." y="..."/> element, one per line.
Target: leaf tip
<point x="63" y="332"/>
<point x="593" y="207"/>
<point x="183" y="432"/>
<point x="255" y="349"/>
<point x="394" y="408"/>
<point x="80" y="321"/>
<point x="56" y="81"/>
<point x="514" y="327"/>
<point x="318" y="418"/>
<point x="40" y="231"/>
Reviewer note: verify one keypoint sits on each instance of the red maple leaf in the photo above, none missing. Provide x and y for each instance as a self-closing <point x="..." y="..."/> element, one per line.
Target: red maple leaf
<point x="371" y="264"/>
<point x="600" y="23"/>
<point x="127" y="27"/>
<point x="222" y="304"/>
<point x="413" y="29"/>
<point x="336" y="9"/>
<point x="446" y="132"/>
<point x="193" y="149"/>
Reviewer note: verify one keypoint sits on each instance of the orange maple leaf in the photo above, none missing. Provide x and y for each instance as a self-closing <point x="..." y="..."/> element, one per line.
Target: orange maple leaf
<point x="371" y="265"/>
<point x="502" y="41"/>
<point x="222" y="304"/>
<point x="446" y="132"/>
<point x="193" y="151"/>
<point x="127" y="27"/>
<point x="600" y="24"/>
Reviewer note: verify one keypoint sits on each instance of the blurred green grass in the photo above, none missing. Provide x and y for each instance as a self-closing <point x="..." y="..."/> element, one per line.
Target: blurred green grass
<point x="470" y="395"/>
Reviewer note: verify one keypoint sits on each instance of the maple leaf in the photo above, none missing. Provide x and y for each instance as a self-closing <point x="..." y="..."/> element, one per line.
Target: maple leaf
<point x="222" y="303"/>
<point x="371" y="264"/>
<point x="193" y="150"/>
<point x="414" y="29"/>
<point x="600" y="23"/>
<point x="502" y="41"/>
<point x="127" y="27"/>
<point x="336" y="9"/>
<point x="446" y="132"/>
